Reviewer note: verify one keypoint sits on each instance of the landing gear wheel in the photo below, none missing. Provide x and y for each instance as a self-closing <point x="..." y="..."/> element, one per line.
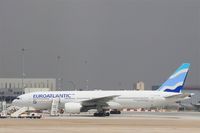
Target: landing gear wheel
<point x="115" y="112"/>
<point x="107" y="114"/>
<point x="102" y="114"/>
<point x="95" y="114"/>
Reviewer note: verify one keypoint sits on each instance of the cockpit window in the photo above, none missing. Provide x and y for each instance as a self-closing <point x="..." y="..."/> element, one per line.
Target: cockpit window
<point x="17" y="98"/>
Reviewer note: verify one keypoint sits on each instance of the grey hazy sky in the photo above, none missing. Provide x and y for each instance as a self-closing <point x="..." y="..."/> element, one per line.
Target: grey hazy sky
<point x="110" y="43"/>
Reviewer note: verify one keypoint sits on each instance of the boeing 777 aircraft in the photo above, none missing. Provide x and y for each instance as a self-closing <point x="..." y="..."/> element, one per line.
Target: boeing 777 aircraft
<point x="82" y="101"/>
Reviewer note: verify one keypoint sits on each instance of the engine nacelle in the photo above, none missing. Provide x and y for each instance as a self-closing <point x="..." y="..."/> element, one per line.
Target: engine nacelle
<point x="72" y="107"/>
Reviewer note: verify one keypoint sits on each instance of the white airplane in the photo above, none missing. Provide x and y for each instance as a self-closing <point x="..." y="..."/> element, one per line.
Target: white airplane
<point x="102" y="101"/>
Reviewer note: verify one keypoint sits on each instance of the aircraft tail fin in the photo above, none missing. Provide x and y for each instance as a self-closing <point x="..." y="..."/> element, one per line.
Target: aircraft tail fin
<point x="176" y="81"/>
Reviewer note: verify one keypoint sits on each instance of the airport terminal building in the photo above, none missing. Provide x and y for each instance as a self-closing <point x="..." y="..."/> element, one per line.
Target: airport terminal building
<point x="10" y="88"/>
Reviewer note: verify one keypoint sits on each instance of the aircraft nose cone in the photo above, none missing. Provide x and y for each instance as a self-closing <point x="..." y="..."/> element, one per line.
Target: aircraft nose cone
<point x="15" y="102"/>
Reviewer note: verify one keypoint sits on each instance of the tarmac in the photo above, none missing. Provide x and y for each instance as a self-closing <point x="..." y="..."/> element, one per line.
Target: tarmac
<point x="127" y="122"/>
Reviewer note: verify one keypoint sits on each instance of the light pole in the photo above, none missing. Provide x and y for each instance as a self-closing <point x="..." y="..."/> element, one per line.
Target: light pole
<point x="59" y="79"/>
<point x="73" y="84"/>
<point x="86" y="68"/>
<point x="23" y="74"/>
<point x="87" y="85"/>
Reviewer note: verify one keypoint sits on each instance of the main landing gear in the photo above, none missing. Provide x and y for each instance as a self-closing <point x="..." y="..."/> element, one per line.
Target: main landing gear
<point x="115" y="111"/>
<point x="102" y="114"/>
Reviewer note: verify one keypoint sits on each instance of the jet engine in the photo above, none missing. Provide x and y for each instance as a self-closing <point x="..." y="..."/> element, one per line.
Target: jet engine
<point x="73" y="107"/>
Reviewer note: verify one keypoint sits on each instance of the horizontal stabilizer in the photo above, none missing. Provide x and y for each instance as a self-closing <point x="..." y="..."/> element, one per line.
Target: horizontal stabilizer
<point x="178" y="97"/>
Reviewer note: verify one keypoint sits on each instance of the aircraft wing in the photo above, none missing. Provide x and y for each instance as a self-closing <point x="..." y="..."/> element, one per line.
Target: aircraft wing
<point x="98" y="101"/>
<point x="178" y="97"/>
